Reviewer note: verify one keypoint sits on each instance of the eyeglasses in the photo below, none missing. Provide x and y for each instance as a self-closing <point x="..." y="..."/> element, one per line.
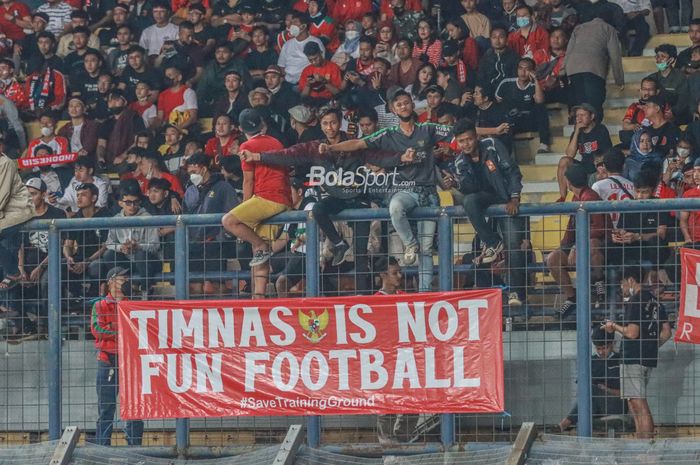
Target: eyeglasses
<point x="131" y="203"/>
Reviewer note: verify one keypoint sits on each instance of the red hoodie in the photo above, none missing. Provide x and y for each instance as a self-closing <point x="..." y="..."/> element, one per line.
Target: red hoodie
<point x="103" y="325"/>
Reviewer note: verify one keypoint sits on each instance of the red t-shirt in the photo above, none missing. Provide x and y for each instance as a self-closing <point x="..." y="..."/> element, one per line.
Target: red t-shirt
<point x="214" y="148"/>
<point x="694" y="218"/>
<point x="168" y="100"/>
<point x="11" y="29"/>
<point x="527" y="47"/>
<point x="329" y="71"/>
<point x="271" y="182"/>
<point x="350" y="9"/>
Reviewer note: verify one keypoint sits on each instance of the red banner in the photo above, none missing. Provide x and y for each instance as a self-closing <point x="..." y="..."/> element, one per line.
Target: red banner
<point x="688" y="329"/>
<point x="406" y="353"/>
<point x="60" y="159"/>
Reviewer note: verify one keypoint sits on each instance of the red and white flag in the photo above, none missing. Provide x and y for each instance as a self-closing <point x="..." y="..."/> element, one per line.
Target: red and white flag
<point x="689" y="311"/>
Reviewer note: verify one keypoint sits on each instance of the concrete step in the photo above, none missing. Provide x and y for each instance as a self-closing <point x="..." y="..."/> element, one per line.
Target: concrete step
<point x="548" y="158"/>
<point x="538" y="173"/>
<point x="673" y="39"/>
<point x="638" y="64"/>
<point x="612" y="128"/>
<point x="540" y="197"/>
<point x="541" y="187"/>
<point x="622" y="103"/>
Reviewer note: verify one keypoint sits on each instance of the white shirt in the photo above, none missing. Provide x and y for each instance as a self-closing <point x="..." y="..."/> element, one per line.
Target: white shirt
<point x="630" y="6"/>
<point x="148" y="115"/>
<point x="608" y="189"/>
<point x="59" y="16"/>
<point x="292" y="57"/>
<point x="153" y="37"/>
<point x="70" y="196"/>
<point x="75" y="144"/>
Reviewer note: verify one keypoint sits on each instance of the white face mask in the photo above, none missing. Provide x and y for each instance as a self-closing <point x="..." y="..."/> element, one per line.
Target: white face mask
<point x="683" y="152"/>
<point x="352" y="35"/>
<point x="196" y="179"/>
<point x="294" y="30"/>
<point x="46" y="131"/>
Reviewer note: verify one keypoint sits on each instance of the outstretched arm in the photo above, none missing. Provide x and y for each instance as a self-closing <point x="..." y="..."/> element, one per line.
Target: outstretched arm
<point x="352" y="145"/>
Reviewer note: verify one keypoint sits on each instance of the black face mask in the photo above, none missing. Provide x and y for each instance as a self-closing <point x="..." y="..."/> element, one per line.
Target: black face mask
<point x="116" y="110"/>
<point x="126" y="289"/>
<point x="168" y="82"/>
<point x="398" y="11"/>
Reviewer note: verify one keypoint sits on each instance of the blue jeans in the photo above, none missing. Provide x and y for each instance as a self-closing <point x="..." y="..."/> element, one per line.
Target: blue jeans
<point x="400" y="205"/>
<point x="10" y="242"/>
<point x="107" y="390"/>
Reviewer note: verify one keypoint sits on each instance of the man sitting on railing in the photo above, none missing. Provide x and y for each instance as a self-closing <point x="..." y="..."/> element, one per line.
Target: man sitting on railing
<point x="565" y="256"/>
<point x="486" y="174"/>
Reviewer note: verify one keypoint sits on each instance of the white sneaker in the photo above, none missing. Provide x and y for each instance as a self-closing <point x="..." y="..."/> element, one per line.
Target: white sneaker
<point x="514" y="300"/>
<point x="543" y="148"/>
<point x="410" y="254"/>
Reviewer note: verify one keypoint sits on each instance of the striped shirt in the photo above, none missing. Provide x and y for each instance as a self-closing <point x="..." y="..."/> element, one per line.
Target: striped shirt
<point x="59" y="16"/>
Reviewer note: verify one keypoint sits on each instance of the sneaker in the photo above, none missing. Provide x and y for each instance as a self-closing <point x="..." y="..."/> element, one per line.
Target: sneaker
<point x="674" y="30"/>
<point x="514" y="300"/>
<point x="543" y="148"/>
<point x="566" y="308"/>
<point x="339" y="251"/>
<point x="261" y="257"/>
<point x="599" y="293"/>
<point x="410" y="254"/>
<point x="561" y="199"/>
<point x="685" y="29"/>
<point x="491" y="253"/>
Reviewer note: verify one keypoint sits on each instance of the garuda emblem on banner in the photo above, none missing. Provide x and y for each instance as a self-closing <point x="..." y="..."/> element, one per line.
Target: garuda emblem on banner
<point x="313" y="325"/>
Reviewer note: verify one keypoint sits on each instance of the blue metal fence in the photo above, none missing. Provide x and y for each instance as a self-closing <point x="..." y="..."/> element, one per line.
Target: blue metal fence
<point x="443" y="216"/>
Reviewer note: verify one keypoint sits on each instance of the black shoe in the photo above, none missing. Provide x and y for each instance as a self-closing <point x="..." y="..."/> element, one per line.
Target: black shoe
<point x="566" y="308"/>
<point x="491" y="253"/>
<point x="339" y="251"/>
<point x="599" y="293"/>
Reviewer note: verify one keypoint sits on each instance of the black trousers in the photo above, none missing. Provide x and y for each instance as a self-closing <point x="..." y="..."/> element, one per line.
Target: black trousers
<point x="588" y="88"/>
<point x="322" y="212"/>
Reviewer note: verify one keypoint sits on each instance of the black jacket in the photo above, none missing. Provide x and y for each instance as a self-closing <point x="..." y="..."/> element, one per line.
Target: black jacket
<point x="493" y="68"/>
<point x="504" y="176"/>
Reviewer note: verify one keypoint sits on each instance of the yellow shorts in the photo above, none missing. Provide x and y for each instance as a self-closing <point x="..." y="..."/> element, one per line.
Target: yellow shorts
<point x="254" y="211"/>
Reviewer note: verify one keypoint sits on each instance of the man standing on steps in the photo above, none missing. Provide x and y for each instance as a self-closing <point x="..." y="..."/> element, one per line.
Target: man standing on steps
<point x="593" y="48"/>
<point x="415" y="182"/>
<point x="562" y="259"/>
<point x="486" y="175"/>
<point x="588" y="139"/>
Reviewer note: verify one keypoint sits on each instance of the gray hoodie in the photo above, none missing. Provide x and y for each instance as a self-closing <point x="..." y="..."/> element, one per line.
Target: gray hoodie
<point x="147" y="238"/>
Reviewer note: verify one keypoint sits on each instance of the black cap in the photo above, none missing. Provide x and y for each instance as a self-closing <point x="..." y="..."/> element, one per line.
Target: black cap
<point x="250" y="121"/>
<point x="117" y="271"/>
<point x="656" y="100"/>
<point x="198" y="7"/>
<point x="450" y="48"/>
<point x="435" y="88"/>
<point x="122" y="6"/>
<point x="247" y="8"/>
<point x="42" y="15"/>
<point x="395" y="92"/>
<point x="199" y="158"/>
<point x="311" y="48"/>
<point x="117" y="93"/>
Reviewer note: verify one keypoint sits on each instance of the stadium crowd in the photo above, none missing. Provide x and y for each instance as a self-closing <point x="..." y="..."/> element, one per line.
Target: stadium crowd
<point x="245" y="108"/>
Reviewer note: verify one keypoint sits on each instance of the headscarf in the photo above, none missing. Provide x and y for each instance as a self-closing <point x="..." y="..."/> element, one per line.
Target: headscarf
<point x="637" y="158"/>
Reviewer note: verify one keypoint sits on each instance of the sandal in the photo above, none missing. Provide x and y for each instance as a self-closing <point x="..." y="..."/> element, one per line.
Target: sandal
<point x="9" y="282"/>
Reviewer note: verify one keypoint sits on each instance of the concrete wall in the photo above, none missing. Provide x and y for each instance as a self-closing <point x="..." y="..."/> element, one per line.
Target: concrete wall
<point x="540" y="371"/>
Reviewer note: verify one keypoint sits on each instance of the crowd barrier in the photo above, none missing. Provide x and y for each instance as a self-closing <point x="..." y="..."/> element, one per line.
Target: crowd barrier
<point x="50" y="384"/>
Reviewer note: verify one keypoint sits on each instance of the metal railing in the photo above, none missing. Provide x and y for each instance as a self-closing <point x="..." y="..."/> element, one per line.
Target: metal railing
<point x="445" y="270"/>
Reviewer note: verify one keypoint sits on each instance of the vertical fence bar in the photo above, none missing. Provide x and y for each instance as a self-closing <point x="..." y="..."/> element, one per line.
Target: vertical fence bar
<point x="182" y="425"/>
<point x="583" y="323"/>
<point x="313" y="258"/>
<point x="445" y="266"/>
<point x="54" y="371"/>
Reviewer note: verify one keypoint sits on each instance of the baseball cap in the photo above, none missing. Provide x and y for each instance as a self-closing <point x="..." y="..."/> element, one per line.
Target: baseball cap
<point x="696" y="164"/>
<point x="117" y="271"/>
<point x="301" y="113"/>
<point x="656" y="100"/>
<point x="274" y="69"/>
<point x="450" y="48"/>
<point x="260" y="90"/>
<point x="198" y="7"/>
<point x="247" y="8"/>
<point x="116" y="93"/>
<point x="42" y="15"/>
<point x="250" y="121"/>
<point x="394" y="92"/>
<point x="435" y="88"/>
<point x="37" y="184"/>
<point x="585" y="106"/>
<point x="122" y="6"/>
<point x="199" y="158"/>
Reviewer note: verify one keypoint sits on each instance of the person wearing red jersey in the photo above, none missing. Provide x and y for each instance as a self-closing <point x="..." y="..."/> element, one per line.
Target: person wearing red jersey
<point x="322" y="78"/>
<point x="177" y="104"/>
<point x="58" y="144"/>
<point x="14" y="19"/>
<point x="350" y="9"/>
<point x="690" y="220"/>
<point x="103" y="325"/>
<point x="564" y="257"/>
<point x="143" y="105"/>
<point x="322" y="25"/>
<point x="225" y="140"/>
<point x="266" y="193"/>
<point x="10" y="87"/>
<point x="530" y="38"/>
